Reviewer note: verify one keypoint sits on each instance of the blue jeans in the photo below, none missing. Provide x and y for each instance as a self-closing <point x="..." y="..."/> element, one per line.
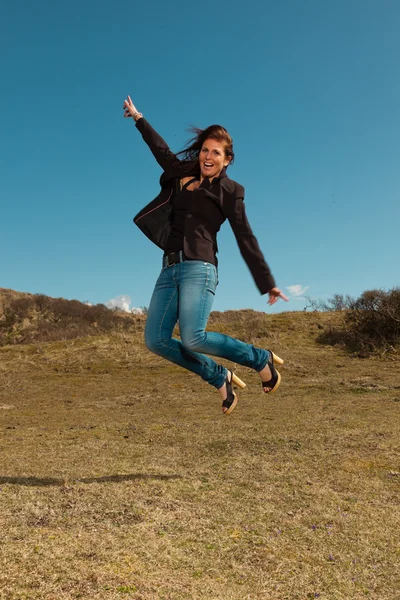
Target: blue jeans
<point x="185" y="292"/>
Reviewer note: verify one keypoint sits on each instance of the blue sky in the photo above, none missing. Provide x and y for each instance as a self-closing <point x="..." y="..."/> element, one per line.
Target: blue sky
<point x="309" y="90"/>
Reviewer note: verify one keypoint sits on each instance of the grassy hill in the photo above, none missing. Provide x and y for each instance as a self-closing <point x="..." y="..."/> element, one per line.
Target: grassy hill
<point x="121" y="478"/>
<point x="26" y="318"/>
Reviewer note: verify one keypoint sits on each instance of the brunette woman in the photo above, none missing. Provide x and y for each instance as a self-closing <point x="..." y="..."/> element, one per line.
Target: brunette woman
<point x="196" y="197"/>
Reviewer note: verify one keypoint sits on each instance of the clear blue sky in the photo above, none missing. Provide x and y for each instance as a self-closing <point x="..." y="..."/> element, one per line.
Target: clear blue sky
<point x="309" y="90"/>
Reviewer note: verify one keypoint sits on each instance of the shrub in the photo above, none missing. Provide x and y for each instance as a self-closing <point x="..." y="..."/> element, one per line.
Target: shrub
<point x="40" y="318"/>
<point x="371" y="323"/>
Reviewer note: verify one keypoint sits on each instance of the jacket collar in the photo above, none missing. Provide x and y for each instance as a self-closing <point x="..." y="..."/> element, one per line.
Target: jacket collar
<point x="221" y="175"/>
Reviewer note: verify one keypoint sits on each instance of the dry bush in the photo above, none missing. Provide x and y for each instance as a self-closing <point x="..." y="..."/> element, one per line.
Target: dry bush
<point x="336" y="303"/>
<point x="371" y="323"/>
<point x="34" y="318"/>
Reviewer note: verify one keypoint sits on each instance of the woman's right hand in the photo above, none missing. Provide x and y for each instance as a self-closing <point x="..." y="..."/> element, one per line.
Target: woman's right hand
<point x="130" y="110"/>
<point x="275" y="294"/>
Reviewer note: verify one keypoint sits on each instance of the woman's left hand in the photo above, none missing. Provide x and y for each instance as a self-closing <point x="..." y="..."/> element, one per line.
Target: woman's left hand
<point x="275" y="294"/>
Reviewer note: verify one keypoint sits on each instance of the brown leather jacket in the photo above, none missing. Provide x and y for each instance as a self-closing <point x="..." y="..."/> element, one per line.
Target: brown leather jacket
<point x="210" y="205"/>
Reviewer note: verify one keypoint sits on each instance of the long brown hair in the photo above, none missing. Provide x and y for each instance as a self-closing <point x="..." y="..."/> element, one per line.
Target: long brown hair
<point x="215" y="132"/>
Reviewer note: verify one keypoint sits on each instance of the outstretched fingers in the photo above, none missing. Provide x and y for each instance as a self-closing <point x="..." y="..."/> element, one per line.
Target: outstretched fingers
<point x="274" y="296"/>
<point x="129" y="107"/>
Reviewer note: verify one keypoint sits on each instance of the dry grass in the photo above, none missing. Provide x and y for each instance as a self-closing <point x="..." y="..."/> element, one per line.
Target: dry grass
<point x="120" y="478"/>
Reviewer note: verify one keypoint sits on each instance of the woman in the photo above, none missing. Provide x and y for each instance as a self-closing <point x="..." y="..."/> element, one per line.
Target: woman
<point x="196" y="198"/>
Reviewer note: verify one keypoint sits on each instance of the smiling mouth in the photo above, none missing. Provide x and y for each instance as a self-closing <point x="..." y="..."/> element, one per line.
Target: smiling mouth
<point x="208" y="165"/>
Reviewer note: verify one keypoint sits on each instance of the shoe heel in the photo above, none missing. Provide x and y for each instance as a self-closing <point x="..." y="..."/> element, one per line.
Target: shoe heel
<point x="238" y="381"/>
<point x="277" y="360"/>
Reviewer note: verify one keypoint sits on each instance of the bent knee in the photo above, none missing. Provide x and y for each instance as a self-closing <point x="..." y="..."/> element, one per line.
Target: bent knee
<point x="155" y="344"/>
<point x="151" y="341"/>
<point x="151" y="345"/>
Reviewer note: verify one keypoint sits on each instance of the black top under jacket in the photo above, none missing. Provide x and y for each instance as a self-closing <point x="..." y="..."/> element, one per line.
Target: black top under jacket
<point x="208" y="207"/>
<point x="176" y="238"/>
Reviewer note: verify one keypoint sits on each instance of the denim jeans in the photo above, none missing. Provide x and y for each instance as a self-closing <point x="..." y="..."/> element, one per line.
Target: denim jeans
<point x="185" y="292"/>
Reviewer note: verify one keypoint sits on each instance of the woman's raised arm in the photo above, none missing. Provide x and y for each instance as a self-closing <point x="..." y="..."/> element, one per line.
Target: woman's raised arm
<point x="164" y="156"/>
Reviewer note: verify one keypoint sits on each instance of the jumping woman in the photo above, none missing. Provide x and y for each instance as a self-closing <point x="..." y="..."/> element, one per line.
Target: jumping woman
<point x="196" y="197"/>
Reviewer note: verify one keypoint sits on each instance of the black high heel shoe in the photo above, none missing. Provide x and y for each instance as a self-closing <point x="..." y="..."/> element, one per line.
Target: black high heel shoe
<point x="276" y="378"/>
<point x="231" y="399"/>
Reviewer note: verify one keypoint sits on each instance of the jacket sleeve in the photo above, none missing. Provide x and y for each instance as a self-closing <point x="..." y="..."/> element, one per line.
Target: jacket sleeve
<point x="247" y="242"/>
<point x="164" y="156"/>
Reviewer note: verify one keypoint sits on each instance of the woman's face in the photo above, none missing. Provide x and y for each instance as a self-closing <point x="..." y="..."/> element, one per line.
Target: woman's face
<point x="212" y="158"/>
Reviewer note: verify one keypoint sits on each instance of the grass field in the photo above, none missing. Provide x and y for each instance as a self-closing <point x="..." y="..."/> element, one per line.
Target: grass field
<point x="121" y="478"/>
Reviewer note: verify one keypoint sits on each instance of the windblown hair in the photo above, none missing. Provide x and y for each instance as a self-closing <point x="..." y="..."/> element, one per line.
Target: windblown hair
<point x="215" y="132"/>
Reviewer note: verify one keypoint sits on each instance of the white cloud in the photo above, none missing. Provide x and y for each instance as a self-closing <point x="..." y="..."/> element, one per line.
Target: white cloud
<point x="123" y="303"/>
<point x="297" y="291"/>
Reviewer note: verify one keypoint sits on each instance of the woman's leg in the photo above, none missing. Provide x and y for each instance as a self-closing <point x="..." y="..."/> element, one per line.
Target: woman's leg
<point x="161" y="319"/>
<point x="198" y="282"/>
